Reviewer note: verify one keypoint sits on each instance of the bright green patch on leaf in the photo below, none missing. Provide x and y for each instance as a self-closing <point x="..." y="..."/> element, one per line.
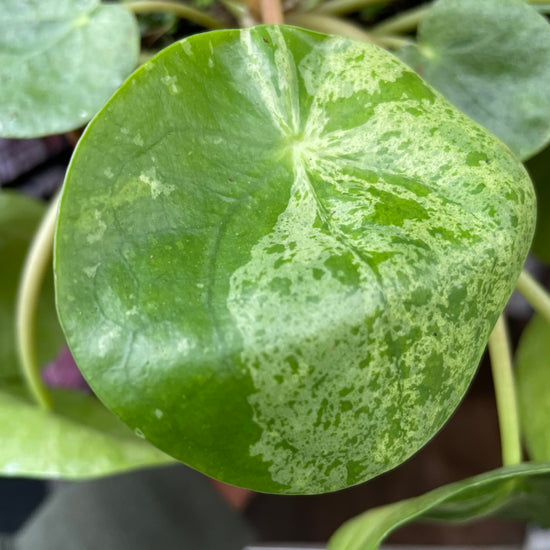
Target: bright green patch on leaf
<point x="533" y="383"/>
<point x="491" y="58"/>
<point x="278" y="259"/>
<point x="80" y="438"/>
<point x="60" y="62"/>
<point x="19" y="217"/>
<point x="520" y="492"/>
<point x="539" y="170"/>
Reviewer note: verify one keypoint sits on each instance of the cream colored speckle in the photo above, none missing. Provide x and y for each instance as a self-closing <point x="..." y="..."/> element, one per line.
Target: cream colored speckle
<point x="158" y="413"/>
<point x="99" y="229"/>
<point x="91" y="271"/>
<point x="170" y="81"/>
<point x="158" y="188"/>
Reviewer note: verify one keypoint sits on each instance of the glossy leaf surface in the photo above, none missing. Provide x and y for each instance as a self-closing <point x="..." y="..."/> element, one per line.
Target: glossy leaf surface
<point x="280" y="254"/>
<point x="533" y="383"/>
<point x="521" y="492"/>
<point x="19" y="217"/>
<point x="60" y="62"/>
<point x="492" y="60"/>
<point x="80" y="438"/>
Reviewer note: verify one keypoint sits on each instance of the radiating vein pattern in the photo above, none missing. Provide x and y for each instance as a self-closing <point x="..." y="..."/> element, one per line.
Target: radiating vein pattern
<point x="367" y="291"/>
<point x="292" y="248"/>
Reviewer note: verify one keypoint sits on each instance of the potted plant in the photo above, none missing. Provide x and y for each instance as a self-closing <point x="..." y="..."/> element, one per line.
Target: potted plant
<point x="279" y="253"/>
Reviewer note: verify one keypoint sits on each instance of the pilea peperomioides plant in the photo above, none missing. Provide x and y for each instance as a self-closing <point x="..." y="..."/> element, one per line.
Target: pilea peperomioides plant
<point x="280" y="254"/>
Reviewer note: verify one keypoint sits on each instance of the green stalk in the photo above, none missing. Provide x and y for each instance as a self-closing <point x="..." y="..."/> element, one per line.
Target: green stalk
<point x="343" y="7"/>
<point x="36" y="263"/>
<point x="505" y="392"/>
<point x="402" y="22"/>
<point x="334" y="25"/>
<point x="535" y="294"/>
<point x="179" y="10"/>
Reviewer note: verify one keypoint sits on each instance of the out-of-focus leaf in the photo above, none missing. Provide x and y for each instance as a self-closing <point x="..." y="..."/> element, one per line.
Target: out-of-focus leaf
<point x="491" y="58"/>
<point x="520" y="492"/>
<point x="79" y="439"/>
<point x="539" y="170"/>
<point x="19" y="217"/>
<point x="60" y="62"/>
<point x="533" y="383"/>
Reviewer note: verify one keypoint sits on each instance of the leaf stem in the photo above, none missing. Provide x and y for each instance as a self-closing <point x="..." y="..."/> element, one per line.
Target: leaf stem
<point x="36" y="263"/>
<point x="505" y="392"/>
<point x="272" y="12"/>
<point x="535" y="294"/>
<point x="343" y="7"/>
<point x="402" y="22"/>
<point x="334" y="25"/>
<point x="180" y="10"/>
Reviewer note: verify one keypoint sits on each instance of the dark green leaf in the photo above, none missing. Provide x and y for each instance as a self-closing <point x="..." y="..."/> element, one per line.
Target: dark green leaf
<point x="60" y="62"/>
<point x="81" y="439"/>
<point x="492" y="60"/>
<point x="280" y="254"/>
<point x="533" y="383"/>
<point x="521" y="492"/>
<point x="539" y="170"/>
<point x="19" y="217"/>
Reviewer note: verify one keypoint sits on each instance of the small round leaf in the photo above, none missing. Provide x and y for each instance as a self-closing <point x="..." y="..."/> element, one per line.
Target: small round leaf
<point x="280" y="254"/>
<point x="60" y="62"/>
<point x="492" y="60"/>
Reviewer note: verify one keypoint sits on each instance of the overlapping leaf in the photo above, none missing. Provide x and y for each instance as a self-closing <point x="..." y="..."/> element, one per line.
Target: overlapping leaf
<point x="521" y="492"/>
<point x="60" y="62"/>
<point x="79" y="438"/>
<point x="492" y="60"/>
<point x="533" y="382"/>
<point x="539" y="170"/>
<point x="287" y="253"/>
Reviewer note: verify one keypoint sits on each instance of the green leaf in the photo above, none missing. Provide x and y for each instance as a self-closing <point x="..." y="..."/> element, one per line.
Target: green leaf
<point x="19" y="217"/>
<point x="280" y="255"/>
<point x="60" y="62"/>
<point x="533" y="384"/>
<point x="520" y="492"/>
<point x="80" y="439"/>
<point x="492" y="60"/>
<point x="539" y="170"/>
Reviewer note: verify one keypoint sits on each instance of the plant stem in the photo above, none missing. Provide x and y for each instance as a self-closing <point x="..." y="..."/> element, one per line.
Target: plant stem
<point x="334" y="25"/>
<point x="37" y="261"/>
<point x="505" y="392"/>
<point x="402" y="22"/>
<point x="535" y="294"/>
<point x="272" y="12"/>
<point x="179" y="10"/>
<point x="343" y="7"/>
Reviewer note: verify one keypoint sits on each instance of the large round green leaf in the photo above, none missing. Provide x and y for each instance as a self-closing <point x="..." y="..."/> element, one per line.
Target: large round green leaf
<point x="60" y="62"/>
<point x="279" y="256"/>
<point x="519" y="492"/>
<point x="533" y="381"/>
<point x="491" y="58"/>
